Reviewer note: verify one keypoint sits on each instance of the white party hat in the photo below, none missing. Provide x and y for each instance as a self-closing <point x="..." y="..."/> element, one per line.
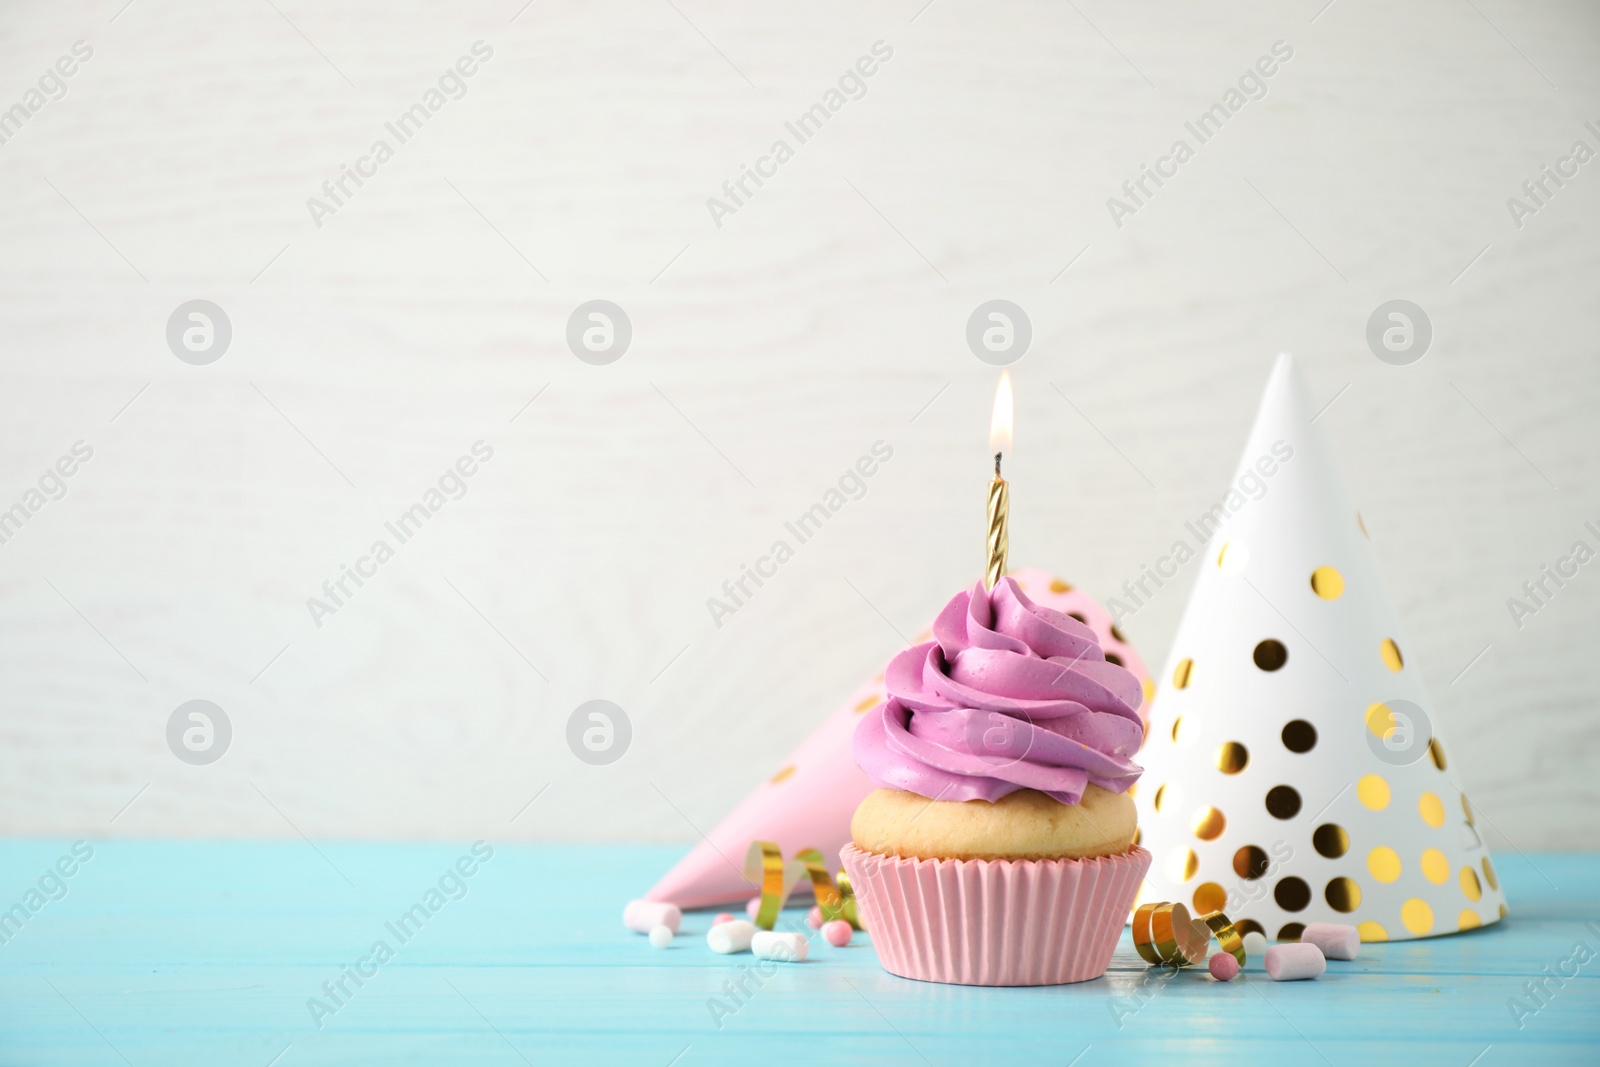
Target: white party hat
<point x="1295" y="770"/>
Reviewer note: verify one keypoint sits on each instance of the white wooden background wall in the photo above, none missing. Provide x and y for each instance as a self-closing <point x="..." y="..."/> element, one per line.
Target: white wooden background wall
<point x="769" y="353"/>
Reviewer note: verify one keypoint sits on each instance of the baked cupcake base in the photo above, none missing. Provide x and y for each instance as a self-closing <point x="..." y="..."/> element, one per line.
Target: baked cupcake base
<point x="1025" y="825"/>
<point x="995" y="922"/>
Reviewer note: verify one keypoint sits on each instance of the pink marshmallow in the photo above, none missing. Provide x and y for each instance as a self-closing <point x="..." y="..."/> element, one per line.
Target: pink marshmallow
<point x="722" y="917"/>
<point x="1224" y="968"/>
<point x="1336" y="942"/>
<point x="838" y="933"/>
<point x="1294" y="961"/>
<point x="814" y="918"/>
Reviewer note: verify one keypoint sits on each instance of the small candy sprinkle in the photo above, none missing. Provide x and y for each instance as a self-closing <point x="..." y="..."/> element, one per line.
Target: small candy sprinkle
<point x="1255" y="945"/>
<point x="1294" y="961"/>
<point x="838" y="933"/>
<point x="1224" y="967"/>
<point x="814" y="918"/>
<point x="660" y="937"/>
<point x="722" y="917"/>
<point x="753" y="907"/>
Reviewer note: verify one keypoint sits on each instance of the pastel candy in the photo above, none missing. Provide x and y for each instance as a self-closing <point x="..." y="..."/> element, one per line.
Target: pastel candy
<point x="1255" y="945"/>
<point x="660" y="937"/>
<point x="732" y="936"/>
<point x="779" y="945"/>
<point x="1337" y="942"/>
<point x="722" y="917"/>
<point x="1224" y="968"/>
<point x="1294" y="961"/>
<point x="752" y="907"/>
<point x="838" y="933"/>
<point x="642" y="916"/>
<point x="814" y="918"/>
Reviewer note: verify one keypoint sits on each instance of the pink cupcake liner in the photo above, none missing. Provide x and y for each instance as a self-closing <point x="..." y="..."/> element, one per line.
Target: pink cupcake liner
<point x="995" y="922"/>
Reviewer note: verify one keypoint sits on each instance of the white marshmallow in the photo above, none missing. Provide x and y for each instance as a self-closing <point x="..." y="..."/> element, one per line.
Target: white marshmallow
<point x="660" y="937"/>
<point x="642" y="916"/>
<point x="1337" y="942"/>
<point x="731" y="936"/>
<point x="1255" y="945"/>
<point x="1294" y="961"/>
<point x="779" y="945"/>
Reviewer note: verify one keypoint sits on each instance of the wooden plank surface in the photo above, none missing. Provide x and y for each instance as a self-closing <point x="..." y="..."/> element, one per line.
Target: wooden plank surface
<point x="167" y="952"/>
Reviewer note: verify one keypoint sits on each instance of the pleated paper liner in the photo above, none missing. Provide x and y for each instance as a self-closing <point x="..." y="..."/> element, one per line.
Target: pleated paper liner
<point x="995" y="922"/>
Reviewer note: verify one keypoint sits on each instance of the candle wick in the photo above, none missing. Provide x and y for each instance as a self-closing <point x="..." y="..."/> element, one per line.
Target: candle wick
<point x="997" y="464"/>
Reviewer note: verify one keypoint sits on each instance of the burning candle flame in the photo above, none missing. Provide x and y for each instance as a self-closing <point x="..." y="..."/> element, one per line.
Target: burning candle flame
<point x="1000" y="425"/>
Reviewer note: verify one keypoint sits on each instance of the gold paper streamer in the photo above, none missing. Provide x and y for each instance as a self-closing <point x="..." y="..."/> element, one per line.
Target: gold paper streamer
<point x="1141" y="933"/>
<point x="829" y="900"/>
<point x="1177" y="936"/>
<point x="764" y="864"/>
<point x="1227" y="935"/>
<point x="848" y="907"/>
<point x="1164" y="933"/>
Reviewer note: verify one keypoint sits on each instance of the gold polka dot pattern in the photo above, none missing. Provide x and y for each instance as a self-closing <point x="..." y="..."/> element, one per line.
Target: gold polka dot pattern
<point x="1384" y="863"/>
<point x="1431" y="808"/>
<point x="1330" y="840"/>
<point x="1270" y="655"/>
<point x="1209" y="897"/>
<point x="1182" y="864"/>
<point x="1343" y="894"/>
<point x="1208" y="825"/>
<point x="1180" y="674"/>
<point x="1386" y="849"/>
<point x="1327" y="583"/>
<point x="1232" y="757"/>
<point x="1417" y="916"/>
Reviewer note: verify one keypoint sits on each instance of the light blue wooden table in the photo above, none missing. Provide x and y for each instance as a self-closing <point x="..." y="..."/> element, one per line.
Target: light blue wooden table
<point x="207" y="953"/>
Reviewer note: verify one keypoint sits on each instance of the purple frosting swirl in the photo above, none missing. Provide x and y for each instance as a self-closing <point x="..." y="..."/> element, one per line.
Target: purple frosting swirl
<point x="1007" y="696"/>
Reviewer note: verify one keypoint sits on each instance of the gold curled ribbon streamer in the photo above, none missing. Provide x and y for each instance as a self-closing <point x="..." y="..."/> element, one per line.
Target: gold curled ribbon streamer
<point x="829" y="900"/>
<point x="1171" y="930"/>
<point x="764" y="864"/>
<point x="1141" y="933"/>
<point x="1164" y="933"/>
<point x="1227" y="934"/>
<point x="847" y="908"/>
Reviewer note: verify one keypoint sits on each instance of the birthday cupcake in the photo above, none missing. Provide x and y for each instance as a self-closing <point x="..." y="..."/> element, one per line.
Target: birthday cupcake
<point x="999" y="849"/>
